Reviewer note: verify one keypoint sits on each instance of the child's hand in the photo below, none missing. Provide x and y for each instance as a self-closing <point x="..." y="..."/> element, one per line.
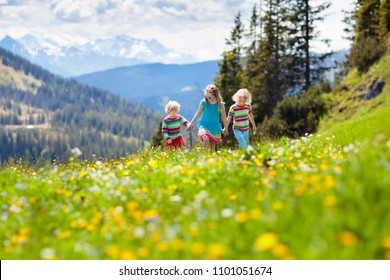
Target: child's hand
<point x="169" y="141"/>
<point x="189" y="126"/>
<point x="254" y="130"/>
<point x="225" y="132"/>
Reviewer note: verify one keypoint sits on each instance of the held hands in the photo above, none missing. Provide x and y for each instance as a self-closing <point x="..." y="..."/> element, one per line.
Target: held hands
<point x="189" y="126"/>
<point x="169" y="141"/>
<point x="225" y="132"/>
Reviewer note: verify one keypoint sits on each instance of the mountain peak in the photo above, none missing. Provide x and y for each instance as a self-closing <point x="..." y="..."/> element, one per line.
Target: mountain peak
<point x="62" y="56"/>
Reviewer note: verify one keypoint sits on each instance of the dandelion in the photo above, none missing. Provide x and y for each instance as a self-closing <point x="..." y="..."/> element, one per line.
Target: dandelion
<point x="242" y="217"/>
<point x="329" y="201"/>
<point x="281" y="251"/>
<point x="216" y="251"/>
<point x="347" y="238"/>
<point x="266" y="241"/>
<point x="277" y="205"/>
<point x="155" y="237"/>
<point x="386" y="242"/>
<point x="163" y="246"/>
<point x="197" y="248"/>
<point x="143" y="252"/>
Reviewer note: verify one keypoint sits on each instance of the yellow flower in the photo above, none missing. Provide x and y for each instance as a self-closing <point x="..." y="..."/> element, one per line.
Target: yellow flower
<point x="330" y="182"/>
<point x="216" y="250"/>
<point x="197" y="248"/>
<point x="82" y="174"/>
<point x="347" y="238"/>
<point x="163" y="246"/>
<point x="132" y="205"/>
<point x="143" y="252"/>
<point x="242" y="217"/>
<point x="277" y="205"/>
<point x="266" y="241"/>
<point x="177" y="244"/>
<point x="127" y="255"/>
<point x="64" y="234"/>
<point x="155" y="237"/>
<point x="281" y="251"/>
<point x="386" y="242"/>
<point x="329" y="201"/>
<point x="260" y="196"/>
<point x="387" y="256"/>
<point x="255" y="213"/>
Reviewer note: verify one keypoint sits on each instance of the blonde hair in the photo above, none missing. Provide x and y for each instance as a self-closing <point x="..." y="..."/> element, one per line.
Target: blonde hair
<point x="242" y="93"/>
<point x="171" y="105"/>
<point x="213" y="90"/>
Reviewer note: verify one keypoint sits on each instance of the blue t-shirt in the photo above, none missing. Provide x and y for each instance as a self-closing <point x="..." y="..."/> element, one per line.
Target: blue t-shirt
<point x="211" y="118"/>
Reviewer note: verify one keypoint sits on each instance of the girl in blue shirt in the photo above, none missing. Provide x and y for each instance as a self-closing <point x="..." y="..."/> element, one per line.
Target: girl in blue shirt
<point x="212" y="110"/>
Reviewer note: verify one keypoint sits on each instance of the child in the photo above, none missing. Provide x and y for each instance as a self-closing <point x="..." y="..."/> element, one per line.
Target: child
<point x="171" y="126"/>
<point x="212" y="109"/>
<point x="241" y="112"/>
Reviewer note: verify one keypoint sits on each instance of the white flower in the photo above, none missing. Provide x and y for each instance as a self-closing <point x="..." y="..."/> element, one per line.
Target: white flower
<point x="175" y="198"/>
<point x="226" y="212"/>
<point x="47" y="253"/>
<point x="76" y="152"/>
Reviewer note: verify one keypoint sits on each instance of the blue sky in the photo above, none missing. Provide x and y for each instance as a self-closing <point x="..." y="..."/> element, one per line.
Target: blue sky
<point x="197" y="27"/>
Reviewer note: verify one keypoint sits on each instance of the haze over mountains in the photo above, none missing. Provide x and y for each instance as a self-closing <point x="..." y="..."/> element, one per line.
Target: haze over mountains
<point x="71" y="59"/>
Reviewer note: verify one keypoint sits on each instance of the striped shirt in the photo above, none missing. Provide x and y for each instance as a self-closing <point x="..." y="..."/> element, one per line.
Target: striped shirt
<point x="240" y="116"/>
<point x="171" y="126"/>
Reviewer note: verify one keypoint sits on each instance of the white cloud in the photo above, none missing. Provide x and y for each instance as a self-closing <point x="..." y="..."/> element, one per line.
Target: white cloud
<point x="196" y="27"/>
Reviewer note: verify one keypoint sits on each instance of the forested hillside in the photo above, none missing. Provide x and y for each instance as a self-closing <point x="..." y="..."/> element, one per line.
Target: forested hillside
<point x="46" y="116"/>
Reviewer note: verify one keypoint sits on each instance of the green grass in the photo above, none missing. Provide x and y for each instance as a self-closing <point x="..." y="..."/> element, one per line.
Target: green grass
<point x="291" y="199"/>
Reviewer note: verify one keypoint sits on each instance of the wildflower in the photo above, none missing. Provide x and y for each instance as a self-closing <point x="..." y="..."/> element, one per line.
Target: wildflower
<point x="177" y="244"/>
<point x="329" y="201"/>
<point x="386" y="242"/>
<point x="281" y="251"/>
<point x="266" y="241"/>
<point x="143" y="252"/>
<point x="255" y="213"/>
<point x="216" y="250"/>
<point x="197" y="248"/>
<point x="347" y="238"/>
<point x="48" y="254"/>
<point x="162" y="246"/>
<point x="242" y="217"/>
<point x="277" y="205"/>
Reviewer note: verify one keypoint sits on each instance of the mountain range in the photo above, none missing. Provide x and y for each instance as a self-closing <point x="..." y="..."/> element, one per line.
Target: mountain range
<point x="73" y="59"/>
<point x="154" y="84"/>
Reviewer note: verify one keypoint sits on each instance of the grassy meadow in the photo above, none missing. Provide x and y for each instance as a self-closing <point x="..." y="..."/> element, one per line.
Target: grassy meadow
<point x="322" y="196"/>
<point x="307" y="198"/>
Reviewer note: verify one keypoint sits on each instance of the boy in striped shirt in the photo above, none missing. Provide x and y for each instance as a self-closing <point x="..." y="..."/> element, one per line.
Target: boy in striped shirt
<point x="241" y="113"/>
<point x="171" y="126"/>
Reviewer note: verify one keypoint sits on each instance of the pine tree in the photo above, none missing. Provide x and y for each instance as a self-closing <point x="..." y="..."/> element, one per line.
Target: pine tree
<point x="384" y="20"/>
<point x="230" y="75"/>
<point x="305" y="64"/>
<point x="158" y="139"/>
<point x="367" y="46"/>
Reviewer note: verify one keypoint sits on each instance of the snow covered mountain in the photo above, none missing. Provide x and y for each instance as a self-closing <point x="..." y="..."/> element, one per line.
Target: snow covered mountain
<point x="67" y="58"/>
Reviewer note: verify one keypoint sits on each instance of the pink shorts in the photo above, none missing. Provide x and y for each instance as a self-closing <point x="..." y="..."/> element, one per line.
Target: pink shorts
<point x="205" y="134"/>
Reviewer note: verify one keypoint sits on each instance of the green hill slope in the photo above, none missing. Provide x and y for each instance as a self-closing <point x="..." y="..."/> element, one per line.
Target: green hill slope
<point x="353" y="118"/>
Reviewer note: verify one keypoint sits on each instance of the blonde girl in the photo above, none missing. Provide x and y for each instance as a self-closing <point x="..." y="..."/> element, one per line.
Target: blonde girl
<point x="212" y="110"/>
